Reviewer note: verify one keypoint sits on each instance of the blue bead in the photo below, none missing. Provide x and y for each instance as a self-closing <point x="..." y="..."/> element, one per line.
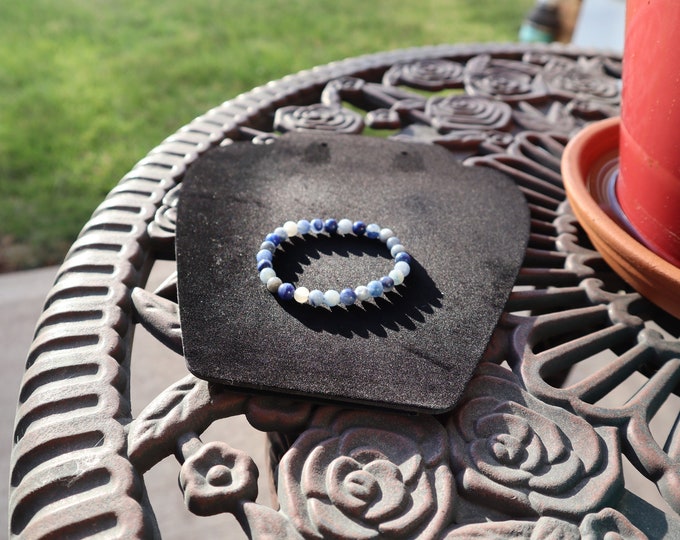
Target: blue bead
<point x="273" y="238"/>
<point x="281" y="233"/>
<point x="264" y="263"/>
<point x="315" y="298"/>
<point x="375" y="288"/>
<point x="373" y="231"/>
<point x="402" y="256"/>
<point x="303" y="226"/>
<point x="347" y="297"/>
<point x="387" y="283"/>
<point x="317" y="225"/>
<point x="359" y="228"/>
<point x="331" y="225"/>
<point x="286" y="291"/>
<point x="264" y="255"/>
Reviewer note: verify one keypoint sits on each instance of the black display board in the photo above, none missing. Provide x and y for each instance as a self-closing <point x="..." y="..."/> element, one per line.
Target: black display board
<point x="413" y="349"/>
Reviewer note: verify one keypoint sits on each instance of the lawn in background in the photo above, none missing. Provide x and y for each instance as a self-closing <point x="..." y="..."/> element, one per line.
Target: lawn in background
<point x="88" y="87"/>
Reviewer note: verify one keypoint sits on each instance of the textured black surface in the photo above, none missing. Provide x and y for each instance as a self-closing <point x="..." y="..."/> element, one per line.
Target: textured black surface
<point x="414" y="349"/>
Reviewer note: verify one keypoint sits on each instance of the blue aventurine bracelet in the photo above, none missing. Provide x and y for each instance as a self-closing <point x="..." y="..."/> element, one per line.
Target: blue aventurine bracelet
<point x="332" y="297"/>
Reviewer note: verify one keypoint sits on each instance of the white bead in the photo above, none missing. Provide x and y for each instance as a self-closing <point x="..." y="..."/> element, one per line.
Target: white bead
<point x="291" y="228"/>
<point x="397" y="277"/>
<point x="331" y="298"/>
<point x="301" y="295"/>
<point x="385" y="234"/>
<point x="397" y="249"/>
<point x="266" y="274"/>
<point x="273" y="284"/>
<point x="362" y="293"/>
<point x="344" y="226"/>
<point x="403" y="267"/>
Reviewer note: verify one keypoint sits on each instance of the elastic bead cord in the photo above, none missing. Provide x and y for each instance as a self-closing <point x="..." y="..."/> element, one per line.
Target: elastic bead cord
<point x="331" y="298"/>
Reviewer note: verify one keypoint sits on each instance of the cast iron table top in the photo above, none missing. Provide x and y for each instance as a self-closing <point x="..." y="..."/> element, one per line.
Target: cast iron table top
<point x="533" y="449"/>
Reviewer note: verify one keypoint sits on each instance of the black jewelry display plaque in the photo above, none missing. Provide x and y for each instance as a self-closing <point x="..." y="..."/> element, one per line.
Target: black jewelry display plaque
<point x="413" y="349"/>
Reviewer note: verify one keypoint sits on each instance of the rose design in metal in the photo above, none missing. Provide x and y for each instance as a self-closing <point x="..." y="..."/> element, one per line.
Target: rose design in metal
<point x="432" y="75"/>
<point x="217" y="478"/>
<point x="514" y="453"/>
<point x="508" y="80"/>
<point x="318" y="117"/>
<point x="357" y="474"/>
<point x="607" y="523"/>
<point x="451" y="113"/>
<point x="584" y="79"/>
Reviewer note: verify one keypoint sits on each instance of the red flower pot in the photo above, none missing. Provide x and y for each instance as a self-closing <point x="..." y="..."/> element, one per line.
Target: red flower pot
<point x="648" y="188"/>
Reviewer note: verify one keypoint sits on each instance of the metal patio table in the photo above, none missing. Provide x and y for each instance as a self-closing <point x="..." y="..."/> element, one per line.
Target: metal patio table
<point x="533" y="450"/>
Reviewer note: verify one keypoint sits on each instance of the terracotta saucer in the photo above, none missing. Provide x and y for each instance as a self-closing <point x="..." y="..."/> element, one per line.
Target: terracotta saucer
<point x="589" y="166"/>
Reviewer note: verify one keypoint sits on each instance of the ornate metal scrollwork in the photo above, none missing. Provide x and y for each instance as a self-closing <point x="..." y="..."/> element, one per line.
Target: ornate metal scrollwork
<point x="524" y="455"/>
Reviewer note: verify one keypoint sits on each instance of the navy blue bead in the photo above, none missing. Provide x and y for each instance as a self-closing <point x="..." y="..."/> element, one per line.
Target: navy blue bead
<point x="264" y="263"/>
<point x="331" y="226"/>
<point x="387" y="283"/>
<point x="317" y="225"/>
<point x="274" y="239"/>
<point x="403" y="256"/>
<point x="359" y="228"/>
<point x="286" y="291"/>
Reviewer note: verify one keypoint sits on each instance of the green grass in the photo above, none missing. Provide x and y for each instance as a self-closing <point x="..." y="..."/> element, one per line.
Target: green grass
<point x="88" y="87"/>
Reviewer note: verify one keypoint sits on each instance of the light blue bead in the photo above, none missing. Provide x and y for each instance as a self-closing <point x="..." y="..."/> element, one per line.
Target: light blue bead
<point x="347" y="297"/>
<point x="266" y="274"/>
<point x="264" y="263"/>
<point x="269" y="246"/>
<point x="264" y="255"/>
<point x="373" y="231"/>
<point x="317" y="225"/>
<point x="375" y="288"/>
<point x="397" y="249"/>
<point x="391" y="242"/>
<point x="286" y="291"/>
<point x="304" y="226"/>
<point x="330" y="225"/>
<point x="387" y="283"/>
<point x="403" y="267"/>
<point x="344" y="226"/>
<point x="315" y="298"/>
<point x="281" y="233"/>
<point x="403" y="256"/>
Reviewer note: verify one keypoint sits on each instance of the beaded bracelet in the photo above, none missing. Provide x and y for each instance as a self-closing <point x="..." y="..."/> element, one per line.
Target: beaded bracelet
<point x="331" y="298"/>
